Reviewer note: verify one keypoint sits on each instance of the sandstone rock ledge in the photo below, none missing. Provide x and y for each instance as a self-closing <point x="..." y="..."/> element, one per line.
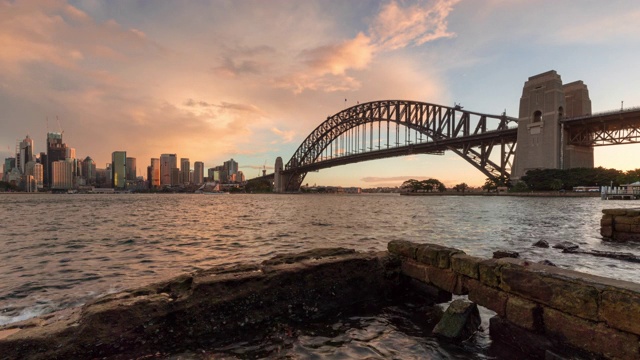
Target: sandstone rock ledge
<point x="207" y="308"/>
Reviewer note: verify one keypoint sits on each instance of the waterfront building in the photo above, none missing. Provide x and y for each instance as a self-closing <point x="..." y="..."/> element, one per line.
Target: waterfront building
<point x="175" y="176"/>
<point x="89" y="170"/>
<point x="118" y="169"/>
<point x="240" y="177"/>
<point x="56" y="151"/>
<point x="62" y="175"/>
<point x="131" y="169"/>
<point x="25" y="153"/>
<point x="102" y="178"/>
<point x="153" y="174"/>
<point x="211" y="174"/>
<point x="231" y="168"/>
<point x="185" y="166"/>
<point x="9" y="164"/>
<point x="167" y="162"/>
<point x="198" y="173"/>
<point x="38" y="175"/>
<point x="34" y="170"/>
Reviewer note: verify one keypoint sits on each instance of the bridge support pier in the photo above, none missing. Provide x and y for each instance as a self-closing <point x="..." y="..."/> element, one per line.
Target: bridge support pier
<point x="280" y="180"/>
<point x="542" y="139"/>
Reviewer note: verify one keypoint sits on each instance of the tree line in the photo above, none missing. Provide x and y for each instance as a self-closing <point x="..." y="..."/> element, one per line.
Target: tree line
<point x="555" y="179"/>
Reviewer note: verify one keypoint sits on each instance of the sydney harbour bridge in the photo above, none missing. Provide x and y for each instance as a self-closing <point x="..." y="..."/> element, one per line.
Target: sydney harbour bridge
<point x="555" y="129"/>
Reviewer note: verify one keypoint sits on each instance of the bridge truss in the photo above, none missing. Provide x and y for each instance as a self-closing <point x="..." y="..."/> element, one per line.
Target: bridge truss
<point x="382" y="129"/>
<point x="608" y="128"/>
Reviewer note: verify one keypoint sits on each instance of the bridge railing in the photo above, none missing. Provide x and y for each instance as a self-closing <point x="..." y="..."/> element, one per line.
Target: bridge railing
<point x="603" y="113"/>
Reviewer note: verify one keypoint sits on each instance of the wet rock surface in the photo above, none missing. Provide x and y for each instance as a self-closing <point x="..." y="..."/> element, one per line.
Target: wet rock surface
<point x="505" y="254"/>
<point x="459" y="322"/>
<point x="541" y="244"/>
<point x="211" y="307"/>
<point x="565" y="245"/>
<point x="608" y="254"/>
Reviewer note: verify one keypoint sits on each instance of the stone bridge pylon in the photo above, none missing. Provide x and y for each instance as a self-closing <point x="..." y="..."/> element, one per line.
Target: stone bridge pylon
<point x="543" y="141"/>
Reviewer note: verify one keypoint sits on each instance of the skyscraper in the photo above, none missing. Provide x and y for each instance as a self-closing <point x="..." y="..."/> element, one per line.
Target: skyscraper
<point x="153" y="175"/>
<point x="62" y="175"/>
<point x="26" y="153"/>
<point x="56" y="151"/>
<point x="198" y="173"/>
<point x="231" y="168"/>
<point x="167" y="162"/>
<point x="118" y="169"/>
<point x="89" y="170"/>
<point x="131" y="168"/>
<point x="185" y="165"/>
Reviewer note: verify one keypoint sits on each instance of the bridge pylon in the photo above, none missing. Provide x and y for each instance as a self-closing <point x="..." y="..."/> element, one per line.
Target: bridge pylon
<point x="542" y="138"/>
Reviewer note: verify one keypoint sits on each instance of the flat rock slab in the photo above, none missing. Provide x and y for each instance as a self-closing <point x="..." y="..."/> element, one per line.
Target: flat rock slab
<point x="214" y="307"/>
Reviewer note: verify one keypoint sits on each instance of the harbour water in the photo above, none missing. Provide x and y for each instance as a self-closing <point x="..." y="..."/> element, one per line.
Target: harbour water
<point x="59" y="251"/>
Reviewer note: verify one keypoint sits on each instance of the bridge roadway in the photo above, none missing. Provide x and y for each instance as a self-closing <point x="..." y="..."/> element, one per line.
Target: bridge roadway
<point x="600" y="129"/>
<point x="435" y="147"/>
<point x="606" y="128"/>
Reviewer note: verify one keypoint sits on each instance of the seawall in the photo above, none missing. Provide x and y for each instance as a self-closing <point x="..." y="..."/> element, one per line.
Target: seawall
<point x="540" y="309"/>
<point x="620" y="225"/>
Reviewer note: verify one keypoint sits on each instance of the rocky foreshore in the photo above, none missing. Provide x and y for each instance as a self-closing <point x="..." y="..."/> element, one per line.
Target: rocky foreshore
<point x="208" y="308"/>
<point x="541" y="311"/>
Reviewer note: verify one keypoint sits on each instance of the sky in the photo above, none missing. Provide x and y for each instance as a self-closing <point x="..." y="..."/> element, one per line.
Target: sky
<point x="250" y="80"/>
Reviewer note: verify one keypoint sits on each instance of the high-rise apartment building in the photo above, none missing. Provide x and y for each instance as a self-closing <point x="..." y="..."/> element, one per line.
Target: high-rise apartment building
<point x="167" y="162"/>
<point x="185" y="166"/>
<point x="56" y="151"/>
<point x="198" y="173"/>
<point x="153" y="173"/>
<point x="118" y="169"/>
<point x="132" y="172"/>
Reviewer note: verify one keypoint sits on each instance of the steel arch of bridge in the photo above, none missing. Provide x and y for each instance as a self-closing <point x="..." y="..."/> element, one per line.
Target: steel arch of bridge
<point x="468" y="134"/>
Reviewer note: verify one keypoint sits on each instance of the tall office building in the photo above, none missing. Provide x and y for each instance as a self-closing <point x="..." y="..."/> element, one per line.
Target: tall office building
<point x="62" y="175"/>
<point x="185" y="166"/>
<point x="38" y="174"/>
<point x="167" y="162"/>
<point x="175" y="176"/>
<point x="25" y="153"/>
<point x="89" y="170"/>
<point x="153" y="174"/>
<point x="231" y="168"/>
<point x="56" y="151"/>
<point x="198" y="173"/>
<point x="131" y="169"/>
<point x="118" y="169"/>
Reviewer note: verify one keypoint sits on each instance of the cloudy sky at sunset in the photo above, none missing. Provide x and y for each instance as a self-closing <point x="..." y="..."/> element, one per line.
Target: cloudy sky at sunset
<point x="249" y="80"/>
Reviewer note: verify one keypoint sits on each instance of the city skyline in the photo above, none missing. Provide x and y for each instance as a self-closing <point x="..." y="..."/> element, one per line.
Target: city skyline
<point x="248" y="80"/>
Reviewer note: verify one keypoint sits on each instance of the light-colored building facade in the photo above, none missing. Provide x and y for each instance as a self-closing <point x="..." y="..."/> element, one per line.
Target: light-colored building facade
<point x="118" y="169"/>
<point x="62" y="175"/>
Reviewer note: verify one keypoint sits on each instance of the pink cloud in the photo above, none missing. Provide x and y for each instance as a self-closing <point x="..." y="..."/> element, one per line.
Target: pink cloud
<point x="397" y="26"/>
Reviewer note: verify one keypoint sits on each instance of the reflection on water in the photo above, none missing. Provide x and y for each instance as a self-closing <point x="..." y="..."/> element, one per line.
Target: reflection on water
<point x="58" y="251"/>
